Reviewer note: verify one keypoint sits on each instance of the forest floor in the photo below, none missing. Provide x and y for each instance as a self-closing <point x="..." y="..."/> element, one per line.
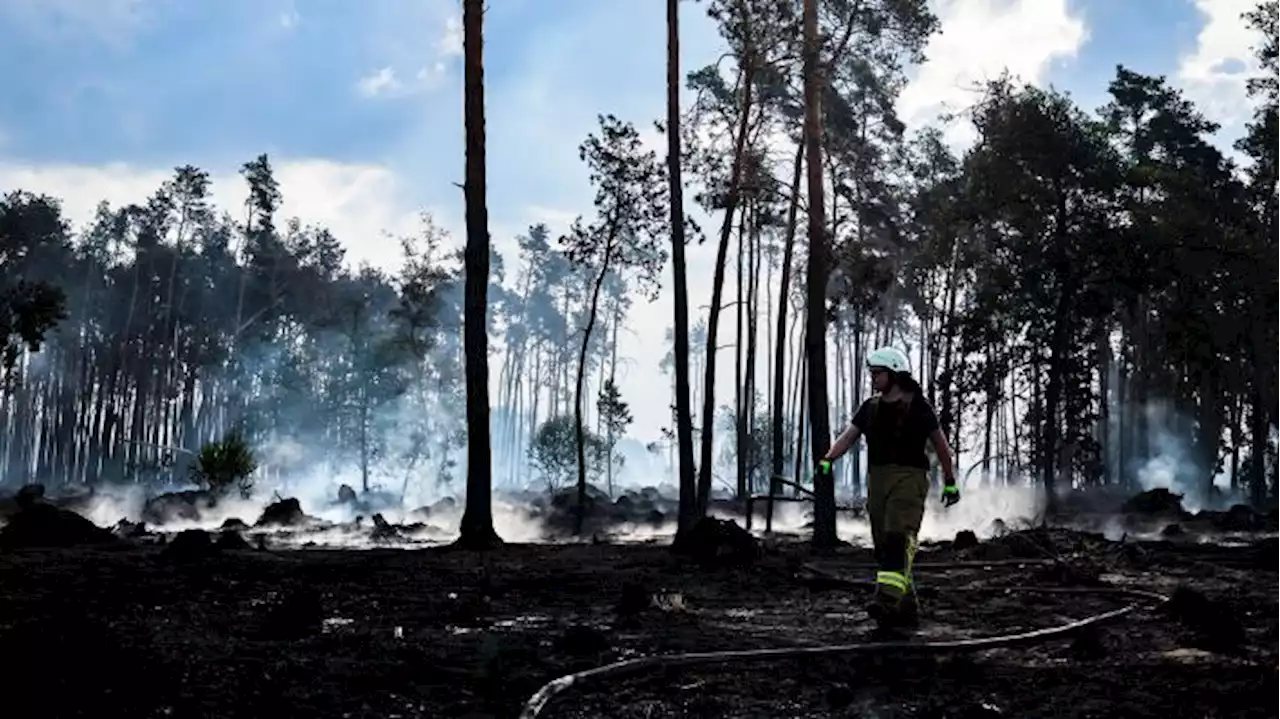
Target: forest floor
<point x="149" y="631"/>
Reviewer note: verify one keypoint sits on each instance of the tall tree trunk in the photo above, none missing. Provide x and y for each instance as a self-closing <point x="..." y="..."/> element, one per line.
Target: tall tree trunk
<point x="717" y="288"/>
<point x="749" y="390"/>
<point x="580" y="511"/>
<point x="689" y="508"/>
<point x="824" y="491"/>
<point x="801" y="425"/>
<point x="611" y="439"/>
<point x="1050" y="428"/>
<point x="739" y="429"/>
<point x="777" y="454"/>
<point x="476" y="528"/>
<point x="1237" y="416"/>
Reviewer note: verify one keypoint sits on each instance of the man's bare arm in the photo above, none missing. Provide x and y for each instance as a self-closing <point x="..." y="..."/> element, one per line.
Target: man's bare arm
<point x="943" y="450"/>
<point x="847" y="439"/>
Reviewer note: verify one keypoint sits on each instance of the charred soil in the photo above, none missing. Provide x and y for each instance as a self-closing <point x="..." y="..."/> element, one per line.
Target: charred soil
<point x="212" y="628"/>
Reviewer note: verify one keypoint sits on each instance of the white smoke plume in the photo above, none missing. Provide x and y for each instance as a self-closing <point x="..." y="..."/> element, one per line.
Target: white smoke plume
<point x="1175" y="467"/>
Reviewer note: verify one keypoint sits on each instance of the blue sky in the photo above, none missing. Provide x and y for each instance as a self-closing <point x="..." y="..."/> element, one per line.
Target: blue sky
<point x="157" y="83"/>
<point x="103" y="97"/>
<point x="215" y="83"/>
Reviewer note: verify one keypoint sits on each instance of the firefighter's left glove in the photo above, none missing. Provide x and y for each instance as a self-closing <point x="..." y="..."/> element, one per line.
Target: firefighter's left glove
<point x="950" y="493"/>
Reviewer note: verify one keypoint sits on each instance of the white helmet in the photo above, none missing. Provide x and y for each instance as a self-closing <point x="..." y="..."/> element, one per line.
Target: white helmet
<point x="891" y="358"/>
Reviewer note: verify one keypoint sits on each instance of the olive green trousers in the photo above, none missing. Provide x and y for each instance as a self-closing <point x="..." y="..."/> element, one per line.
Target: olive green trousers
<point x="895" y="506"/>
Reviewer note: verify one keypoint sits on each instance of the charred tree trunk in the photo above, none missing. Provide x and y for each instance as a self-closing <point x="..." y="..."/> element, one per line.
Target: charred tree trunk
<point x="824" y="491"/>
<point x="739" y="347"/>
<point x="580" y="512"/>
<point x="777" y="453"/>
<point x="476" y="528"/>
<point x="689" y="507"/>
<point x="717" y="292"/>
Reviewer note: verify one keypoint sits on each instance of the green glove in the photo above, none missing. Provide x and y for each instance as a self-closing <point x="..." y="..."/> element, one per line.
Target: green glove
<point x="824" y="467"/>
<point x="950" y="494"/>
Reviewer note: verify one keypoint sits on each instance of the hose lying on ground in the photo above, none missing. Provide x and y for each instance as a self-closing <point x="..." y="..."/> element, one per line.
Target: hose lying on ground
<point x="543" y="696"/>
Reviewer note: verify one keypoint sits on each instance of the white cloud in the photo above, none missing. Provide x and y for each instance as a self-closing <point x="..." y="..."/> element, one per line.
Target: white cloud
<point x="385" y="83"/>
<point x="1214" y="74"/>
<point x="360" y="204"/>
<point x="431" y="74"/>
<point x="556" y="220"/>
<point x="981" y="39"/>
<point x="450" y="42"/>
<point x="382" y="81"/>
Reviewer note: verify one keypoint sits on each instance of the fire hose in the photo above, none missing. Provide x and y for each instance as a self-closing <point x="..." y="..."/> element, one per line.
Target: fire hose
<point x="533" y="708"/>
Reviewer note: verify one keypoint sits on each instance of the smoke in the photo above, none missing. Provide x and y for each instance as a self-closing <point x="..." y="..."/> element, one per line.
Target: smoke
<point x="334" y="524"/>
<point x="983" y="510"/>
<point x="110" y="504"/>
<point x="1173" y="464"/>
<point x="349" y="525"/>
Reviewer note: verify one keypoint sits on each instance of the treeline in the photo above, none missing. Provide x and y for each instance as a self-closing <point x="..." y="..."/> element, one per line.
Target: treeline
<point x="1081" y="289"/>
<point x="163" y="326"/>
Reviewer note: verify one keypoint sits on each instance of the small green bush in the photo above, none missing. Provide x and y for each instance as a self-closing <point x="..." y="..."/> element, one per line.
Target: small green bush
<point x="222" y="466"/>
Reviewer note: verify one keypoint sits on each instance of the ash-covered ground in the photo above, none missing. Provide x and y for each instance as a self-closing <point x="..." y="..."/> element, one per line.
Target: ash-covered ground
<point x="220" y="615"/>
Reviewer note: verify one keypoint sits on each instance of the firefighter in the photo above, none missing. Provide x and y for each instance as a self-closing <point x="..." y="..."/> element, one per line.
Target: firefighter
<point x="898" y="422"/>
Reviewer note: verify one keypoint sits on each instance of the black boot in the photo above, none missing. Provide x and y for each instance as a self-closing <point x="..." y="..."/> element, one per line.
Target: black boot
<point x="909" y="611"/>
<point x="885" y="608"/>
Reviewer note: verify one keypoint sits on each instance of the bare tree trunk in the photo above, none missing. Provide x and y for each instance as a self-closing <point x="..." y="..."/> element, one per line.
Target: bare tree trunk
<point x="801" y="425"/>
<point x="717" y="290"/>
<point x="776" y="453"/>
<point x="689" y="508"/>
<point x="613" y="376"/>
<point x="476" y="528"/>
<point x="824" y="505"/>
<point x="739" y="347"/>
<point x="749" y="390"/>
<point x="580" y="511"/>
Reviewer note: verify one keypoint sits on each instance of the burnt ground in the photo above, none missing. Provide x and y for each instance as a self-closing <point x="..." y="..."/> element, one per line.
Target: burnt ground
<point x="207" y="632"/>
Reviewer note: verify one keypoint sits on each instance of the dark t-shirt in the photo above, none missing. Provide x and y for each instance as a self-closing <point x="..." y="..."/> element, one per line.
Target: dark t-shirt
<point x="897" y="434"/>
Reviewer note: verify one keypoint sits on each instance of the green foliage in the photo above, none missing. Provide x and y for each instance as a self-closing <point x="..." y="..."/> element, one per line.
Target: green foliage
<point x="630" y="229"/>
<point x="554" y="453"/>
<point x="615" y="414"/>
<point x="32" y="234"/>
<point x="226" y="465"/>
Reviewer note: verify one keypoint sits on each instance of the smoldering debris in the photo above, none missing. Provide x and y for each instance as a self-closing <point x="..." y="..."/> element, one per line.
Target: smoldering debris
<point x="364" y="503"/>
<point x="965" y="539"/>
<point x="383" y="530"/>
<point x="37" y="524"/>
<point x="714" y="541"/>
<point x="190" y="544"/>
<point x="351" y="519"/>
<point x="185" y="506"/>
<point x="28" y="495"/>
<point x="286" y="512"/>
<point x="131" y="530"/>
<point x="601" y="514"/>
<point x="1154" y="502"/>
<point x="1160" y="512"/>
